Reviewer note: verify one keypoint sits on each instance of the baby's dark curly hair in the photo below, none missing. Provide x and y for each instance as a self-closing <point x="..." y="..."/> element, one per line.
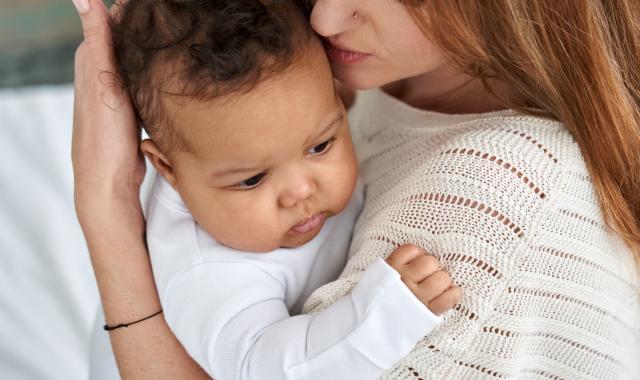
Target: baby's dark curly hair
<point x="201" y="49"/>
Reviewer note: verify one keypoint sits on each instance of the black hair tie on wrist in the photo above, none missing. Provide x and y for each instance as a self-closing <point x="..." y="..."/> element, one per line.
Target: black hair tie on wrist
<point x="109" y="328"/>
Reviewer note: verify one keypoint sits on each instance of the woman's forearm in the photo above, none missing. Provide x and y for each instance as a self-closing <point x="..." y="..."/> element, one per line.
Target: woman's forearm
<point x="108" y="171"/>
<point x="145" y="350"/>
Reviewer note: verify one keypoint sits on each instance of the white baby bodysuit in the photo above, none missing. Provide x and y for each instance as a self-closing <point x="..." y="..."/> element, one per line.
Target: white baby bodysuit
<point x="232" y="310"/>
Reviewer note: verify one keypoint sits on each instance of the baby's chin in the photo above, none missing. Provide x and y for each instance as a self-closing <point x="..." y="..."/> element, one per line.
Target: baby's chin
<point x="297" y="241"/>
<point x="289" y="240"/>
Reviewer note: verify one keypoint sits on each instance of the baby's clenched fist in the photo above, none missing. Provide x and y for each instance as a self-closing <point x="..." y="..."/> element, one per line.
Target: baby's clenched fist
<point x="424" y="277"/>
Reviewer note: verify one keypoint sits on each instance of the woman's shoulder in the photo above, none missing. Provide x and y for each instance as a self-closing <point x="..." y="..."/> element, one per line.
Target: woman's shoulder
<point x="523" y="165"/>
<point x="525" y="175"/>
<point x="535" y="152"/>
<point x="511" y="133"/>
<point x="505" y="132"/>
<point x="523" y="148"/>
<point x="500" y="174"/>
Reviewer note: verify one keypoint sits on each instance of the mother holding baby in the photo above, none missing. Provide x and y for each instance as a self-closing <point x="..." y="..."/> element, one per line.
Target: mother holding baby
<point x="501" y="136"/>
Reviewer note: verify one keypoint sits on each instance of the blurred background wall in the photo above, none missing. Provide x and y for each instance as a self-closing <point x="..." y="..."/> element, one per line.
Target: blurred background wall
<point x="48" y="297"/>
<point x="37" y="41"/>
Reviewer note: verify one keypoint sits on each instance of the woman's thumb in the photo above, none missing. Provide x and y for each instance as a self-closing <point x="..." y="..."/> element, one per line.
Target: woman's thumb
<point x="94" y="17"/>
<point x="82" y="6"/>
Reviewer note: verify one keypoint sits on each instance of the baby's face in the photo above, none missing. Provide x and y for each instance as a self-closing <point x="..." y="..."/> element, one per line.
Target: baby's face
<point x="268" y="167"/>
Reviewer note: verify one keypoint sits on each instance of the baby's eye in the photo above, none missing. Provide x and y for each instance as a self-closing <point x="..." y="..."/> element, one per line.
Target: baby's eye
<point x="321" y="148"/>
<point x="251" y="183"/>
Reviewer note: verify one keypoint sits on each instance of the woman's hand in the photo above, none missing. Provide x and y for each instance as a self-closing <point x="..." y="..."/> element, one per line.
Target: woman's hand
<point x="109" y="169"/>
<point x="107" y="163"/>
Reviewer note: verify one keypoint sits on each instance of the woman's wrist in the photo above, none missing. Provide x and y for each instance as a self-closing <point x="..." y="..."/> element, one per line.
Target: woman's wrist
<point x="109" y="215"/>
<point x="114" y="230"/>
<point x="123" y="272"/>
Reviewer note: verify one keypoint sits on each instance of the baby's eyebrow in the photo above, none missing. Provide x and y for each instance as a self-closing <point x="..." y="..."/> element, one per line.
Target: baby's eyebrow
<point x="255" y="169"/>
<point x="236" y="171"/>
<point x="326" y="128"/>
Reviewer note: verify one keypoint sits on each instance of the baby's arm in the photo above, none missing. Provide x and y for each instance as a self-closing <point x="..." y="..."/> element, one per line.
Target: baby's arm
<point x="232" y="319"/>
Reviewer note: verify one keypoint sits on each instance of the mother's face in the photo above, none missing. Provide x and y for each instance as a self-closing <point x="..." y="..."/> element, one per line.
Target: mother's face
<point x="373" y="42"/>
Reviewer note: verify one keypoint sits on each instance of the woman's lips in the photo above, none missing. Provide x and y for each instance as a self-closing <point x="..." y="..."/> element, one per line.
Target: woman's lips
<point x="341" y="55"/>
<point x="309" y="224"/>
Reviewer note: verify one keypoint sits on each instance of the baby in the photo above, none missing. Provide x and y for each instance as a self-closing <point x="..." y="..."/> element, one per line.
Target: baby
<point x="258" y="194"/>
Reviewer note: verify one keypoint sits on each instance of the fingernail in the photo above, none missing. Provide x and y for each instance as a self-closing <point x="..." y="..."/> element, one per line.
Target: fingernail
<point x="81" y="5"/>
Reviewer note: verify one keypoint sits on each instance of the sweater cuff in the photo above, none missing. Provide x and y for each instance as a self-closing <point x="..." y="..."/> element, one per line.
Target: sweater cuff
<point x="392" y="319"/>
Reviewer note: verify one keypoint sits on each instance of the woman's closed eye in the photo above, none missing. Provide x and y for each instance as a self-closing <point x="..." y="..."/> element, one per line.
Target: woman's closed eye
<point x="323" y="148"/>
<point x="250" y="183"/>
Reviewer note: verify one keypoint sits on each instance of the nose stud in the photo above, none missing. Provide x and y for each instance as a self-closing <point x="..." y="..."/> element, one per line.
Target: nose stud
<point x="356" y="15"/>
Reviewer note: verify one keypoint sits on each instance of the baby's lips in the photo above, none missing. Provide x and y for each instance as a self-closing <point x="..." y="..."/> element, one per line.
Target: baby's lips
<point x="309" y="224"/>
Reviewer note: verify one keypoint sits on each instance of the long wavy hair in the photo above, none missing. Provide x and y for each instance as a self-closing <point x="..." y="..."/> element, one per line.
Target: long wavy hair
<point x="577" y="60"/>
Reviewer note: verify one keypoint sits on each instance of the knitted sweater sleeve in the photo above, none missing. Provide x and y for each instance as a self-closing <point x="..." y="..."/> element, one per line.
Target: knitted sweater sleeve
<point x="497" y="205"/>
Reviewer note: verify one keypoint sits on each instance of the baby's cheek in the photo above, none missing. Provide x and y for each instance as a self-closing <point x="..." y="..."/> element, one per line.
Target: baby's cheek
<point x="260" y="229"/>
<point x="346" y="187"/>
<point x="251" y="234"/>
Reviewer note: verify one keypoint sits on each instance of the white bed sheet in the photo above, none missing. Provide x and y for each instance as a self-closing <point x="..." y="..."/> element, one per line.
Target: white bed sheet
<point x="48" y="296"/>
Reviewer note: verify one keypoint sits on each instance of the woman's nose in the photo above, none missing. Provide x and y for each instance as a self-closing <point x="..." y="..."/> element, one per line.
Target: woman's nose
<point x="331" y="17"/>
<point x="298" y="189"/>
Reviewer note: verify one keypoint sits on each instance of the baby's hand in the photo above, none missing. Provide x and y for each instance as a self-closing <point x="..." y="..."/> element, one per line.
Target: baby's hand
<point x="422" y="275"/>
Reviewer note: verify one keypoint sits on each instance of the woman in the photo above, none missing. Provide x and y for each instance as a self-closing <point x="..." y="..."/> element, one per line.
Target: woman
<point x="504" y="140"/>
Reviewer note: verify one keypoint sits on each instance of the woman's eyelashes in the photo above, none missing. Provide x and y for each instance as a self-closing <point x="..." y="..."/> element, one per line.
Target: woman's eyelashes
<point x="322" y="148"/>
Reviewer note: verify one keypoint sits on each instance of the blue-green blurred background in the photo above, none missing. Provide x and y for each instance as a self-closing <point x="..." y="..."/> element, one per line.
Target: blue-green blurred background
<point x="37" y="41"/>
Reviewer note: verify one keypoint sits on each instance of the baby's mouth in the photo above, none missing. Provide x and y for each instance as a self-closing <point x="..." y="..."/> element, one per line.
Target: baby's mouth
<point x="309" y="224"/>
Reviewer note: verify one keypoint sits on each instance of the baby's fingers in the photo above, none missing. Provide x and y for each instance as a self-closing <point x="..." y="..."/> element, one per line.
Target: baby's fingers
<point x="445" y="301"/>
<point x="420" y="268"/>
<point x="403" y="255"/>
<point x="434" y="285"/>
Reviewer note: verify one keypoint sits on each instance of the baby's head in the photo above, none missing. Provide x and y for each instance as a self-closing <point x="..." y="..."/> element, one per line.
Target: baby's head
<point x="238" y="99"/>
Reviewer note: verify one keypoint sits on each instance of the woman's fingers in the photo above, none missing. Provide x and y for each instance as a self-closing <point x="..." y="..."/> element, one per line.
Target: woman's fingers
<point x="82" y="6"/>
<point x="93" y="62"/>
<point x="94" y="17"/>
<point x="94" y="56"/>
<point x="105" y="153"/>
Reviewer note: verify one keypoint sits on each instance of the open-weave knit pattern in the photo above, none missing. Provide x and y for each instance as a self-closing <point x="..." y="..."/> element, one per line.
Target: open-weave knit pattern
<point x="506" y="204"/>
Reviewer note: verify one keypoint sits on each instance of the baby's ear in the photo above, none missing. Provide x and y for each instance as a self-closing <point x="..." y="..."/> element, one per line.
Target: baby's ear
<point x="159" y="160"/>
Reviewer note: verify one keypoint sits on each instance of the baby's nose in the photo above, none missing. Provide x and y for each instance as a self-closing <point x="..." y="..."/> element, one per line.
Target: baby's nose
<point x="300" y="187"/>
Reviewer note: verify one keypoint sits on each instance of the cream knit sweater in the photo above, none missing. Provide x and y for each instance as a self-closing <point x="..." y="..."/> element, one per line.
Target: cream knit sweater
<point x="507" y="205"/>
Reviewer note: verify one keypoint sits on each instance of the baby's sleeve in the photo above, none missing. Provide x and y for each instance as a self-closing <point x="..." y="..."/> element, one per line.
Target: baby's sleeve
<point x="233" y="320"/>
